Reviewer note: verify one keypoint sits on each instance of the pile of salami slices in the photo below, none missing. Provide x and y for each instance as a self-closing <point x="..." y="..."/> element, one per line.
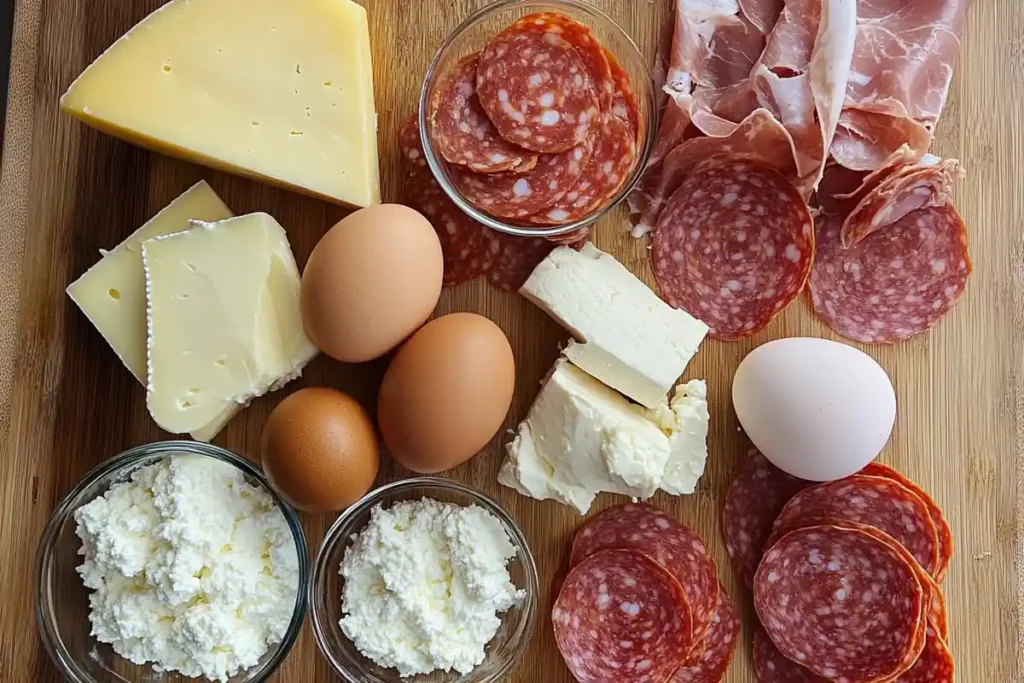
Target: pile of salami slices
<point x="539" y="129"/>
<point x="642" y="603"/>
<point x="780" y="111"/>
<point x="845" y="575"/>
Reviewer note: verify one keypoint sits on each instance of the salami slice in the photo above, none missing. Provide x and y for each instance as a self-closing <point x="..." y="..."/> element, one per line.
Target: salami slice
<point x="719" y="645"/>
<point x="895" y="283"/>
<point x="945" y="536"/>
<point x="464" y="135"/>
<point x="607" y="170"/>
<point x="518" y="195"/>
<point x="537" y="91"/>
<point x="758" y="492"/>
<point x="625" y="104"/>
<point x="511" y="259"/>
<point x="463" y="240"/>
<point x="671" y="544"/>
<point x="771" y="666"/>
<point x="935" y="665"/>
<point x="842" y="603"/>
<point x="594" y="57"/>
<point x="882" y="503"/>
<point x="620" y="618"/>
<point x="733" y="247"/>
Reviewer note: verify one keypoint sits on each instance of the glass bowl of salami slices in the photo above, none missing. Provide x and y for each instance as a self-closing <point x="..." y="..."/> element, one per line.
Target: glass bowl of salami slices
<point x="535" y="118"/>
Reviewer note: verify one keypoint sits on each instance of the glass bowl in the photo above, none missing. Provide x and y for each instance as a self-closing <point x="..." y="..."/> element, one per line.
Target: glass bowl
<point x="474" y="33"/>
<point x="62" y="603"/>
<point x="503" y="653"/>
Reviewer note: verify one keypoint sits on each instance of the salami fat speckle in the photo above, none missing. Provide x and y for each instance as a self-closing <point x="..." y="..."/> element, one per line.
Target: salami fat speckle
<point x="896" y="282"/>
<point x="620" y="618"/>
<point x="537" y="91"/>
<point x="718" y="647"/>
<point x="945" y="535"/>
<point x="594" y="57"/>
<point x="612" y="160"/>
<point x="771" y="666"/>
<point x="733" y="247"/>
<point x="935" y="665"/>
<point x="669" y="543"/>
<point x="518" y="195"/>
<point x="758" y="492"/>
<point x="464" y="135"/>
<point x="882" y="503"/>
<point x="842" y="603"/>
<point x="624" y="104"/>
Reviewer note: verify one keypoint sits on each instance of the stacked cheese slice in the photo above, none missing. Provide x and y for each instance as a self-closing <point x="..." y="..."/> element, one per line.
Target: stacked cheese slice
<point x="603" y="421"/>
<point x="202" y="308"/>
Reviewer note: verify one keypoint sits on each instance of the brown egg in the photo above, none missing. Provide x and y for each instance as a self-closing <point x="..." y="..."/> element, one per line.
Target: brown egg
<point x="370" y="282"/>
<point x="319" y="450"/>
<point x="446" y="393"/>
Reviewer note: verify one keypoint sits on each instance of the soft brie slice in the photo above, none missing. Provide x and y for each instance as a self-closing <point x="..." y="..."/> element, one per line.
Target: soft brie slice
<point x="222" y="319"/>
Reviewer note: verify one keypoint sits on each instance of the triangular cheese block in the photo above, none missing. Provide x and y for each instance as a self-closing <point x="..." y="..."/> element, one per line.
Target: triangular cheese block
<point x="280" y="90"/>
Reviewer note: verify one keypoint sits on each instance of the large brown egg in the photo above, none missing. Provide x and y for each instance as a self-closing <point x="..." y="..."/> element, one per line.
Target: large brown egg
<point x="446" y="393"/>
<point x="370" y="282"/>
<point x="319" y="450"/>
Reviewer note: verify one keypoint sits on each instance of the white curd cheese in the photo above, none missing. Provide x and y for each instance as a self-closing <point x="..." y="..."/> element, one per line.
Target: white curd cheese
<point x="192" y="569"/>
<point x="424" y="584"/>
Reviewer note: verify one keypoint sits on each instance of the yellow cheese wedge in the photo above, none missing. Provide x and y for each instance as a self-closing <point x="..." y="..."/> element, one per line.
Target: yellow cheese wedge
<point x="279" y="90"/>
<point x="112" y="293"/>
<point x="223" y="320"/>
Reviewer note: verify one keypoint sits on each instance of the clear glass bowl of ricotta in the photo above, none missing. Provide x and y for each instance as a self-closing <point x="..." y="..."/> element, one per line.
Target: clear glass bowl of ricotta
<point x="62" y="601"/>
<point x="502" y="653"/>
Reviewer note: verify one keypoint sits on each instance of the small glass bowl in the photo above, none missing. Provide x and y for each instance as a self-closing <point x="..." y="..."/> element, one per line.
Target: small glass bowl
<point x="62" y="602"/>
<point x="474" y="33"/>
<point x="503" y="653"/>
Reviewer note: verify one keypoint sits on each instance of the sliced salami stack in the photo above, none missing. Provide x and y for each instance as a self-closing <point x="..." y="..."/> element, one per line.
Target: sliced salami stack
<point x="642" y="603"/>
<point x="845" y="575"/>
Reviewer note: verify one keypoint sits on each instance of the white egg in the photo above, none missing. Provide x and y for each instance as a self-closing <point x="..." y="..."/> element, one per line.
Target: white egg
<point x="817" y="409"/>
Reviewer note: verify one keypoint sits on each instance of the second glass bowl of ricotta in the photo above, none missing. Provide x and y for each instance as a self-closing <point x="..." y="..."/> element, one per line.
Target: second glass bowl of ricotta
<point x="502" y="653"/>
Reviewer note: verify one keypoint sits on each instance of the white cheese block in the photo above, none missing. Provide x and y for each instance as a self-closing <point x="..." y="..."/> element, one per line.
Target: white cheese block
<point x="625" y="335"/>
<point x="581" y="438"/>
<point x="686" y="421"/>
<point x="112" y="293"/>
<point x="223" y="319"/>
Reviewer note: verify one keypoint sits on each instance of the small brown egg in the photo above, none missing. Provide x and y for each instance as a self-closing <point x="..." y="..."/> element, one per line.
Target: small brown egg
<point x="370" y="282"/>
<point x="319" y="450"/>
<point x="446" y="393"/>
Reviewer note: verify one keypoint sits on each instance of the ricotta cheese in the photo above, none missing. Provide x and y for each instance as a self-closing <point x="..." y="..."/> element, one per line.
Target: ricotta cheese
<point x="192" y="568"/>
<point x="424" y="584"/>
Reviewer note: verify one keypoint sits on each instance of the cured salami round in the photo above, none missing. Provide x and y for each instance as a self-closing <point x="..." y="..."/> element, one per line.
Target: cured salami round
<point x="719" y="645"/>
<point x="771" y="666"/>
<point x="945" y="535"/>
<point x="518" y="195"/>
<point x="672" y="545"/>
<point x="625" y="104"/>
<point x="594" y="57"/>
<point x="896" y="282"/>
<point x="758" y="492"/>
<point x="536" y="90"/>
<point x="511" y="259"/>
<point x="620" y="618"/>
<point x="461" y="131"/>
<point x="935" y="665"/>
<point x="882" y="503"/>
<point x="733" y="247"/>
<point x="818" y="595"/>
<point x="608" y="168"/>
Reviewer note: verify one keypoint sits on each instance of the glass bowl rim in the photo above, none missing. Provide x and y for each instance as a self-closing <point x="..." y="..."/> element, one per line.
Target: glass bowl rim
<point x="379" y="495"/>
<point x="128" y="460"/>
<point x="434" y="163"/>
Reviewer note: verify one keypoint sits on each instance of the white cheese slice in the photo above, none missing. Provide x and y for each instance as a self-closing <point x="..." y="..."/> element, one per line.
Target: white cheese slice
<point x="625" y="335"/>
<point x="686" y="421"/>
<point x="222" y="318"/>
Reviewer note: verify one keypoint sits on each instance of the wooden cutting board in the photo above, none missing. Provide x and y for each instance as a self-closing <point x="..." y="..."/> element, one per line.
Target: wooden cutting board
<point x="66" y="404"/>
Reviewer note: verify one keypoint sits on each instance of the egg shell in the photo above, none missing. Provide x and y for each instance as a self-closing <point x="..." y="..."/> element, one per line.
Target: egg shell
<point x="446" y="393"/>
<point x="319" y="450"/>
<point x="817" y="409"/>
<point x="370" y="282"/>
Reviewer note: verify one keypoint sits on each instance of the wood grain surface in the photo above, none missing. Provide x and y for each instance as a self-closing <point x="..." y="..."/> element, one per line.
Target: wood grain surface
<point x="66" y="404"/>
